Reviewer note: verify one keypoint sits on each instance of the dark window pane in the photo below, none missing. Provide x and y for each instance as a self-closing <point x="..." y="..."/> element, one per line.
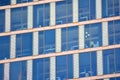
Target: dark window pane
<point x="4" y="2"/>
<point x="1" y="72"/>
<point x="2" y="21"/>
<point x="5" y="47"/>
<point x="24" y="45"/>
<point x="18" y="18"/>
<point x="18" y="71"/>
<point x="24" y="1"/>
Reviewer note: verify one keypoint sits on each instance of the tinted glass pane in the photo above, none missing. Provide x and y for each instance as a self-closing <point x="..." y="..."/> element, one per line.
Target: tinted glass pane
<point x="2" y="20"/>
<point x="70" y="38"/>
<point x="64" y="12"/>
<point x="86" y="10"/>
<point x="24" y="45"/>
<point x="18" y="18"/>
<point x="93" y="35"/>
<point x="117" y="53"/>
<point x="24" y="1"/>
<point x="1" y="72"/>
<point x="108" y="61"/>
<point x="5" y="47"/>
<point x="18" y="71"/>
<point x="41" y="15"/>
<point x="4" y="2"/>
<point x="47" y="41"/>
<point x="64" y="67"/>
<point x="88" y="66"/>
<point x="41" y="69"/>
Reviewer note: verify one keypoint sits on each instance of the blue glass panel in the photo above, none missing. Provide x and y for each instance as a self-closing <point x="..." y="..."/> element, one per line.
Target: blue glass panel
<point x="64" y="12"/>
<point x="93" y="35"/>
<point x="18" y="18"/>
<point x="4" y="2"/>
<point x="18" y="71"/>
<point x="1" y="72"/>
<point x="110" y="8"/>
<point x="108" y="61"/>
<point x="114" y="32"/>
<point x="41" y="69"/>
<point x="47" y="41"/>
<point x="88" y="64"/>
<point x="5" y="47"/>
<point x="117" y="53"/>
<point x="70" y="38"/>
<point x="24" y="45"/>
<point x="64" y="67"/>
<point x="2" y="21"/>
<point x="24" y="1"/>
<point x="86" y="10"/>
<point x="41" y="15"/>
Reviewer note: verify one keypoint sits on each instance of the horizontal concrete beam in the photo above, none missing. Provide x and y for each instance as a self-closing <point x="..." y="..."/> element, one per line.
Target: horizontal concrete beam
<point x="60" y="53"/>
<point x="98" y="77"/>
<point x="28" y="4"/>
<point x="61" y="26"/>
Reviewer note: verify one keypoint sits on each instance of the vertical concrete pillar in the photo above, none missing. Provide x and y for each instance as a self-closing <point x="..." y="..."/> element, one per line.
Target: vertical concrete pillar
<point x="35" y="43"/>
<point x="29" y="70"/>
<point x="30" y="17"/>
<point x="105" y="33"/>
<point x="13" y="46"/>
<point x="98" y="9"/>
<point x="7" y="20"/>
<point x="75" y="11"/>
<point x="6" y="71"/>
<point x="99" y="63"/>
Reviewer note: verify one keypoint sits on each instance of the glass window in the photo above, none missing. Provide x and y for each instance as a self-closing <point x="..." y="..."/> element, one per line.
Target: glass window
<point x="4" y="2"/>
<point x="47" y="41"/>
<point x="24" y="45"/>
<point x="41" y="69"/>
<point x="18" y="18"/>
<point x="64" y="12"/>
<point x="114" y="32"/>
<point x="24" y="1"/>
<point x="110" y="8"/>
<point x="5" y="47"/>
<point x="108" y="61"/>
<point x="86" y="10"/>
<point x="93" y="35"/>
<point x="117" y="53"/>
<point x="70" y="38"/>
<point x="41" y="15"/>
<point x="88" y="64"/>
<point x="64" y="67"/>
<point x="2" y="21"/>
<point x="18" y="71"/>
<point x="1" y="72"/>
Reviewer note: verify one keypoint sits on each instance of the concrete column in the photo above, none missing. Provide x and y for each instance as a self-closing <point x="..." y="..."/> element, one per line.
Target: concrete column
<point x="75" y="10"/>
<point x="105" y="33"/>
<point x="6" y="71"/>
<point x="29" y="69"/>
<point x="13" y="2"/>
<point x="58" y="40"/>
<point x="98" y="9"/>
<point x="35" y="43"/>
<point x="58" y="48"/>
<point x="106" y="79"/>
<point x="81" y="37"/>
<point x="7" y="20"/>
<point x="76" y="65"/>
<point x="12" y="46"/>
<point x="99" y="63"/>
<point x="53" y="68"/>
<point x="30" y="17"/>
<point x="52" y="13"/>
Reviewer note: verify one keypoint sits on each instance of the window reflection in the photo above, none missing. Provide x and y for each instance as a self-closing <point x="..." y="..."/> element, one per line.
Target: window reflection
<point x="93" y="35"/>
<point x="2" y="21"/>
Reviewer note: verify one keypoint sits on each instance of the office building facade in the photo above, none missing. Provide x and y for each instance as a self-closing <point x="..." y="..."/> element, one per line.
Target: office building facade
<point x="59" y="39"/>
